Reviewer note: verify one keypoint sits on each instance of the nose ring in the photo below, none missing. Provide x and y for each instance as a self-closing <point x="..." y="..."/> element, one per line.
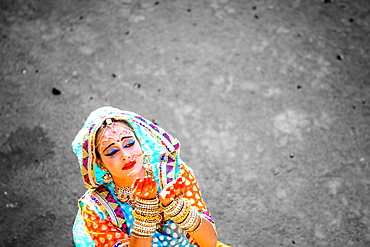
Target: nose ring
<point x="132" y="158"/>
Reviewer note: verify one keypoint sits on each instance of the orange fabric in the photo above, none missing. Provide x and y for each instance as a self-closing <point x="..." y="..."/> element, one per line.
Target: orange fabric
<point x="192" y="191"/>
<point x="103" y="232"/>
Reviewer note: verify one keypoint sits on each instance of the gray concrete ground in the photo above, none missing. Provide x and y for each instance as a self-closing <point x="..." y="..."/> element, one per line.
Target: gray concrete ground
<point x="270" y="99"/>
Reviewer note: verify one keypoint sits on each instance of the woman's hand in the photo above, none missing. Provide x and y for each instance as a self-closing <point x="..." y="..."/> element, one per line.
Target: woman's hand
<point x="145" y="188"/>
<point x="171" y="191"/>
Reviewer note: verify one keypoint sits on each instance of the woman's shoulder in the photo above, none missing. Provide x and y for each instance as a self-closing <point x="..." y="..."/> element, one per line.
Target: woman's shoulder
<point x="187" y="172"/>
<point x="93" y="200"/>
<point x="184" y="167"/>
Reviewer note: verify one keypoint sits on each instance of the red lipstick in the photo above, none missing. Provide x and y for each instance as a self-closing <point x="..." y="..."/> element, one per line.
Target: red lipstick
<point x="129" y="165"/>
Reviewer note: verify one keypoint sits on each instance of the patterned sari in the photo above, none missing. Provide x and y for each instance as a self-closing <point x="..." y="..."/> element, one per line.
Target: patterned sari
<point x="103" y="220"/>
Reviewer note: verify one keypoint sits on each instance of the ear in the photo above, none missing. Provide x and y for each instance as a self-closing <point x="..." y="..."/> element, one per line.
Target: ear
<point x="101" y="164"/>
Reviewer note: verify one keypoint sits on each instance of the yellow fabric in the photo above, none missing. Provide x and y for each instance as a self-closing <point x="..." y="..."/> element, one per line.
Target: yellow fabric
<point x="220" y="244"/>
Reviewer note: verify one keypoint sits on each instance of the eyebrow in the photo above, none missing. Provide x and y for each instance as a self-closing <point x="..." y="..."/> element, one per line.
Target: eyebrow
<point x="113" y="143"/>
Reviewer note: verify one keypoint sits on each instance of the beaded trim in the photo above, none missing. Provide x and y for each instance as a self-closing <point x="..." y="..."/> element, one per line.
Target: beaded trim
<point x="124" y="194"/>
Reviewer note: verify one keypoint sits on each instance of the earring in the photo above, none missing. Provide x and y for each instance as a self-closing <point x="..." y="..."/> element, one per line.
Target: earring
<point x="146" y="159"/>
<point x="107" y="178"/>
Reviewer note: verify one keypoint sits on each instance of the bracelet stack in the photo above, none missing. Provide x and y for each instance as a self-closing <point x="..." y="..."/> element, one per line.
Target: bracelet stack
<point x="182" y="213"/>
<point x="146" y="217"/>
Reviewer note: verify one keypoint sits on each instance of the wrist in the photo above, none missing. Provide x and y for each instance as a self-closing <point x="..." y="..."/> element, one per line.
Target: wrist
<point x="182" y="213"/>
<point x="146" y="217"/>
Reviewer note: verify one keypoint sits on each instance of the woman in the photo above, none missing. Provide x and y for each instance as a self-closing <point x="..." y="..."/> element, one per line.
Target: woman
<point x="140" y="193"/>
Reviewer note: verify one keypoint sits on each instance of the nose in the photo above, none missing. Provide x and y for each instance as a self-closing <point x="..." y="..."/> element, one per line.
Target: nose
<point x="127" y="156"/>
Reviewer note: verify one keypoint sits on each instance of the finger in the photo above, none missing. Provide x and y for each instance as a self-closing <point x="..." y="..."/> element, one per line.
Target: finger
<point x="167" y="190"/>
<point x="181" y="183"/>
<point x="139" y="187"/>
<point x="153" y="188"/>
<point x="171" y="193"/>
<point x="181" y="180"/>
<point x="134" y="185"/>
<point x="148" y="187"/>
<point x="176" y="188"/>
<point x="144" y="186"/>
<point x="149" y="184"/>
<point x="154" y="185"/>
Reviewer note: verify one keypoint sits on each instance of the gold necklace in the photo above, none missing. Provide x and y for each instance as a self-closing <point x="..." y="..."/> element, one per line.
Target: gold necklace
<point x="124" y="194"/>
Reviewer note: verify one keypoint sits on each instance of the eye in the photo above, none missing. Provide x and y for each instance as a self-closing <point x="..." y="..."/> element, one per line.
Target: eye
<point x="129" y="144"/>
<point x="112" y="152"/>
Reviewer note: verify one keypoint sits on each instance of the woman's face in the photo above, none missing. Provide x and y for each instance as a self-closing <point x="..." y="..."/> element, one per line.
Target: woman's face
<point x="120" y="151"/>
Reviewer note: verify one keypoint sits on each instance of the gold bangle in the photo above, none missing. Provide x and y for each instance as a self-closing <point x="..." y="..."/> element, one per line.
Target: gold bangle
<point x="153" y="201"/>
<point x="176" y="209"/>
<point x="143" y="231"/>
<point x="138" y="234"/>
<point x="147" y="206"/>
<point x="146" y="212"/>
<point x="147" y="218"/>
<point x="180" y="217"/>
<point x="146" y="224"/>
<point x="171" y="206"/>
<point x="144" y="228"/>
<point x="198" y="227"/>
<point x="191" y="220"/>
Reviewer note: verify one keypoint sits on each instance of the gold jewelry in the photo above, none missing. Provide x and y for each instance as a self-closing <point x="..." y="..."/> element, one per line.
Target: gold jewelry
<point x="142" y="201"/>
<point x="139" y="234"/>
<point x="109" y="123"/>
<point x="132" y="158"/>
<point x="143" y="228"/>
<point x="107" y="178"/>
<point x="185" y="211"/>
<point x="146" y="217"/>
<point x="175" y="207"/>
<point x="146" y="159"/>
<point x="198" y="227"/>
<point x="190" y="221"/>
<point x="124" y="194"/>
<point x="182" y="213"/>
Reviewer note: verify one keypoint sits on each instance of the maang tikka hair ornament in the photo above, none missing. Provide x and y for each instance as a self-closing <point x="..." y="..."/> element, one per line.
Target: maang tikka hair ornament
<point x="110" y="124"/>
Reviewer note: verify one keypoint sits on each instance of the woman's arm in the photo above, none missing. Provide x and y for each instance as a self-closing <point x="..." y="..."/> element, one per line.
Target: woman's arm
<point x="205" y="234"/>
<point x="144" y="242"/>
<point x="146" y="190"/>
